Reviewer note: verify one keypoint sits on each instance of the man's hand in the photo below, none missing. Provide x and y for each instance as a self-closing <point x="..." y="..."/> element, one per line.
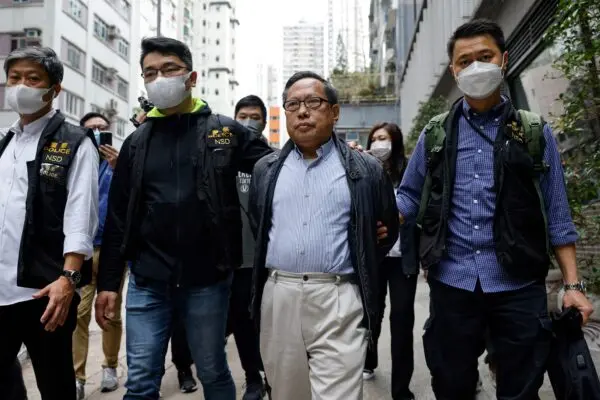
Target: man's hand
<point x="401" y="217"/>
<point x="106" y="304"/>
<point x="141" y="117"/>
<point x="60" y="294"/>
<point x="355" y="145"/>
<point x="110" y="154"/>
<point x="574" y="298"/>
<point x="382" y="232"/>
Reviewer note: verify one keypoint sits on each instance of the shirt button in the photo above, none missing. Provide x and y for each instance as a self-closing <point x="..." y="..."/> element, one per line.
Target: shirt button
<point x="476" y="176"/>
<point x="476" y="227"/>
<point x="302" y="252"/>
<point x="478" y="252"/>
<point x="481" y="127"/>
<point x="496" y="119"/>
<point x="305" y="223"/>
<point x="479" y="151"/>
<point x="306" y="196"/>
<point x="475" y="201"/>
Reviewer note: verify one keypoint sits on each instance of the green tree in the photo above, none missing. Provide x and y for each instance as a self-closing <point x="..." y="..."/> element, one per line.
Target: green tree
<point x="341" y="56"/>
<point x="427" y="110"/>
<point x="576" y="33"/>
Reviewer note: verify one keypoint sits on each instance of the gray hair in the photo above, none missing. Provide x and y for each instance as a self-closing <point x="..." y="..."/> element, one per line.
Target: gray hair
<point x="44" y="56"/>
<point x="330" y="91"/>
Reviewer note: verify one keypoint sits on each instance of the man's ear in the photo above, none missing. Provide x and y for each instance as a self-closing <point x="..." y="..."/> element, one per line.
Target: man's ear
<point x="336" y="112"/>
<point x="192" y="80"/>
<point x="52" y="94"/>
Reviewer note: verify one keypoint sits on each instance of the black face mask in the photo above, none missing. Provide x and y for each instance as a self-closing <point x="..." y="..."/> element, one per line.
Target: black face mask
<point x="254" y="125"/>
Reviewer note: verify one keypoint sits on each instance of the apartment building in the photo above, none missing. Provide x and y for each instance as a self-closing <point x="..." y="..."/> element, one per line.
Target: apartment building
<point x="93" y="39"/>
<point x="303" y="49"/>
<point x="215" y="27"/>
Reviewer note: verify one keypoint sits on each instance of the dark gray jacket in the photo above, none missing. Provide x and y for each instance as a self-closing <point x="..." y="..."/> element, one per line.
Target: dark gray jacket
<point x="372" y="200"/>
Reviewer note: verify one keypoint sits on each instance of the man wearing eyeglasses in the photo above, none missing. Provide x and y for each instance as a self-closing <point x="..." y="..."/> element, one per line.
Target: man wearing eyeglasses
<point x="315" y="208"/>
<point x="174" y="213"/>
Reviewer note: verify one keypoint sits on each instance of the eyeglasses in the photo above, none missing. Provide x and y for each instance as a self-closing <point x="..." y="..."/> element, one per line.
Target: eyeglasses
<point x="311" y="103"/>
<point x="166" y="70"/>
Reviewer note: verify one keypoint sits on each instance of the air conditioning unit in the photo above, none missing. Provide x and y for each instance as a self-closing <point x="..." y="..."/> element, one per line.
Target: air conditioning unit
<point x="113" y="32"/>
<point x="33" y="33"/>
<point x="111" y="73"/>
<point x="113" y="104"/>
<point x="110" y="110"/>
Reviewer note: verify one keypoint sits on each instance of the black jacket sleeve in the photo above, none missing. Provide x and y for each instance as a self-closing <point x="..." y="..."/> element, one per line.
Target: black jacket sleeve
<point x="255" y="209"/>
<point x="251" y="148"/>
<point x="112" y="262"/>
<point x="387" y="212"/>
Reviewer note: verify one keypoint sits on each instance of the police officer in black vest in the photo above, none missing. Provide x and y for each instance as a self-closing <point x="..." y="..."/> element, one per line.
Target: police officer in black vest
<point x="494" y="207"/>
<point x="48" y="219"/>
<point x="174" y="212"/>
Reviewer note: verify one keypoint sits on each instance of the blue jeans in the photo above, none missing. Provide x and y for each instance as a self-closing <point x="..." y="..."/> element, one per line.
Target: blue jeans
<point x="150" y="308"/>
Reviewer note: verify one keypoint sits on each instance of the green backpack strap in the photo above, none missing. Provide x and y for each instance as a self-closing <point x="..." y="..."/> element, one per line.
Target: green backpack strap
<point x="435" y="135"/>
<point x="533" y="128"/>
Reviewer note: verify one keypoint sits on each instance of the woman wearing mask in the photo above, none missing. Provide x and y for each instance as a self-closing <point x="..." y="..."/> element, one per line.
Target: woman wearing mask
<point x="400" y="269"/>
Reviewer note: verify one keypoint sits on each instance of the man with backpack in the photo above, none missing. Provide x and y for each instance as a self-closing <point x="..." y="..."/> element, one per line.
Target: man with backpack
<point x="486" y="187"/>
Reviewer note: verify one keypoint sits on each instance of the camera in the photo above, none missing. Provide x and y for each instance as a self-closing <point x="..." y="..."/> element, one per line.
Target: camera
<point x="145" y="105"/>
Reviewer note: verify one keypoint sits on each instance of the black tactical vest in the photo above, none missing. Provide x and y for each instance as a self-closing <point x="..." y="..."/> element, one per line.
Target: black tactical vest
<point x="520" y="227"/>
<point x="41" y="259"/>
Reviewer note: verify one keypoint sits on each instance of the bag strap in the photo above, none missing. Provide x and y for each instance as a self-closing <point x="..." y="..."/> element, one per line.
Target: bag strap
<point x="533" y="129"/>
<point x="435" y="135"/>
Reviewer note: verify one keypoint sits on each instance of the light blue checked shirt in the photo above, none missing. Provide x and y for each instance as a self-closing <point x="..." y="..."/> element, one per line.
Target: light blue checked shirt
<point x="470" y="244"/>
<point x="311" y="215"/>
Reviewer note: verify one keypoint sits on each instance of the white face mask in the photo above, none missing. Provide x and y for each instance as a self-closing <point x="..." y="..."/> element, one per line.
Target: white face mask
<point x="382" y="149"/>
<point x="26" y="100"/>
<point x="480" y="79"/>
<point x="168" y="92"/>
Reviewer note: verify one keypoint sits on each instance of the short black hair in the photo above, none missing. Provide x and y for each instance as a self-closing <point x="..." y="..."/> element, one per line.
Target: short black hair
<point x="167" y="46"/>
<point x="251" y="101"/>
<point x="477" y="27"/>
<point x="91" y="115"/>
<point x="330" y="92"/>
<point x="44" y="56"/>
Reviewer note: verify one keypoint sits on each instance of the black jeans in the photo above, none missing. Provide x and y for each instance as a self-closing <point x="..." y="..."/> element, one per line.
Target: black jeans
<point x="243" y="327"/>
<point x="519" y="331"/>
<point x="180" y="349"/>
<point x="402" y="320"/>
<point x="50" y="352"/>
<point x="18" y="390"/>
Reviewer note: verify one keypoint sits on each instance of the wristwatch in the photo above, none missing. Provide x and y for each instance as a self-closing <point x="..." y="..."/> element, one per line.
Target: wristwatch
<point x="73" y="276"/>
<point x="579" y="286"/>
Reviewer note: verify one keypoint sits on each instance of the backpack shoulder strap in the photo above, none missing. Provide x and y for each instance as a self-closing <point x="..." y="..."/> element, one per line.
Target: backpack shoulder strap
<point x="533" y="129"/>
<point x="435" y="135"/>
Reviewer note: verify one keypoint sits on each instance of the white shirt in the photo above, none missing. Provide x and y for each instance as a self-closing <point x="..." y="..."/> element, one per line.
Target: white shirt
<point x="81" y="211"/>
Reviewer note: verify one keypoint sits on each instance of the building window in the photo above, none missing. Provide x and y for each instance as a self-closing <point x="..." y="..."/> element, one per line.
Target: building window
<point x="217" y="75"/>
<point x="123" y="88"/>
<point x="100" y="74"/>
<point x="203" y="22"/>
<point x="204" y="6"/>
<point x="120" y="126"/>
<point x="218" y="25"/>
<point x="218" y="42"/>
<point x="72" y="104"/>
<point x="123" y="48"/>
<point x="20" y="1"/>
<point x="186" y="30"/>
<point x="74" y="55"/>
<point x="100" y="28"/>
<point x="21" y="40"/>
<point x="203" y="91"/>
<point x="216" y="92"/>
<point x="217" y="58"/>
<point x="97" y="109"/>
<point x="76" y="10"/>
<point x="203" y="73"/>
<point x="204" y="40"/>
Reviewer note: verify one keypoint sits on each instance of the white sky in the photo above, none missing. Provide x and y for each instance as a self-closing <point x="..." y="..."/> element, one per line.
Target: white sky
<point x="258" y="39"/>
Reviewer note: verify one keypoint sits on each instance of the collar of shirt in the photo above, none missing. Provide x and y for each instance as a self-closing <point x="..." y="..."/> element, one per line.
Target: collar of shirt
<point x="495" y="112"/>
<point x="322" y="152"/>
<point x="34" y="128"/>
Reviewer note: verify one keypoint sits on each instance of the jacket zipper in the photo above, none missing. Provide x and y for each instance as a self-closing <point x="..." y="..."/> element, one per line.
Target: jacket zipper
<point x="178" y="207"/>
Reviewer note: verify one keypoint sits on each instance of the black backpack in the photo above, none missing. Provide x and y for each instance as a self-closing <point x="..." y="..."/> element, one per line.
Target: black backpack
<point x="570" y="366"/>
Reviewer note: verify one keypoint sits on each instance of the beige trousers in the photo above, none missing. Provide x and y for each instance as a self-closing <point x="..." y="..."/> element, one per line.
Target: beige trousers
<point x="111" y="338"/>
<point x="311" y="340"/>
